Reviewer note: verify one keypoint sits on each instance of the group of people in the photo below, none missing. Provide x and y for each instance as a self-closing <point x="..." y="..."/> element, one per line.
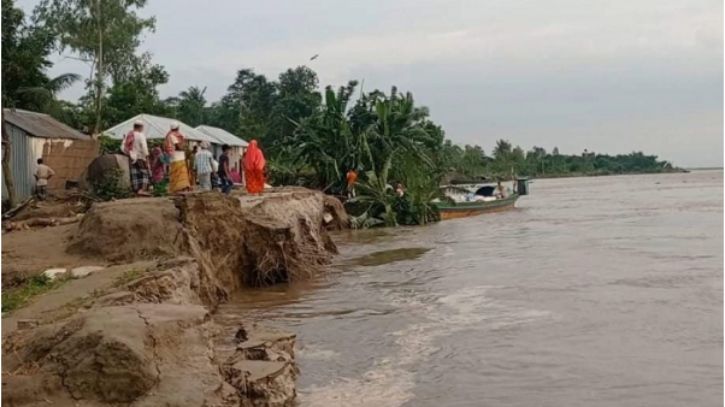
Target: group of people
<point x="188" y="168"/>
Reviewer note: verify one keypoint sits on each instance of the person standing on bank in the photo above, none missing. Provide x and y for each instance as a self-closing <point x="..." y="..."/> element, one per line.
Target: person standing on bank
<point x="203" y="162"/>
<point x="42" y="174"/>
<point x="178" y="171"/>
<point x="224" y="174"/>
<point x="254" y="166"/>
<point x="351" y="180"/>
<point x="135" y="147"/>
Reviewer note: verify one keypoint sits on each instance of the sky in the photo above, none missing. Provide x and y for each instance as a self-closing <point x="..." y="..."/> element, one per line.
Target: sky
<point x="610" y="76"/>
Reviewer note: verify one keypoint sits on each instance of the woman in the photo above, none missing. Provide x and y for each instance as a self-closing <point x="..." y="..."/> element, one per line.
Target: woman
<point x="254" y="164"/>
<point x="158" y="170"/>
<point x="178" y="170"/>
<point x="191" y="167"/>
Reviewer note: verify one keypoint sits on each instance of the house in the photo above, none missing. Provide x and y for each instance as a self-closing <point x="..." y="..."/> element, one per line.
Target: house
<point x="36" y="135"/>
<point x="222" y="137"/>
<point x="156" y="127"/>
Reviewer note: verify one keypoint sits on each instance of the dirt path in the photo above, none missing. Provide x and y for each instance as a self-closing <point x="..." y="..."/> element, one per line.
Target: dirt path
<point x="66" y="299"/>
<point x="30" y="252"/>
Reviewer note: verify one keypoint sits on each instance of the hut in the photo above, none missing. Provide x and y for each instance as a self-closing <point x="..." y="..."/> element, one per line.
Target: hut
<point x="33" y="135"/>
<point x="222" y="137"/>
<point x="155" y="128"/>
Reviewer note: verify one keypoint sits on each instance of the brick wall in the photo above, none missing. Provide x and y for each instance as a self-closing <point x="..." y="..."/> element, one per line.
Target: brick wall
<point x="69" y="159"/>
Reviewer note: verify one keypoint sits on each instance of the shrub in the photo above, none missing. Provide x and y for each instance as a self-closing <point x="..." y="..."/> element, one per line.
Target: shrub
<point x="108" y="186"/>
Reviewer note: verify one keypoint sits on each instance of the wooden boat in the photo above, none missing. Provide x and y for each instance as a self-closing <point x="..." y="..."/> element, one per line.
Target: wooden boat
<point x="471" y="200"/>
<point x="453" y="210"/>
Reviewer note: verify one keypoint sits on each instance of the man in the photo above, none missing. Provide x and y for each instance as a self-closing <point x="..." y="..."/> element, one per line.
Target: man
<point x="42" y="174"/>
<point x="135" y="147"/>
<point x="224" y="175"/>
<point x="501" y="192"/>
<point x="204" y="167"/>
<point x="351" y="180"/>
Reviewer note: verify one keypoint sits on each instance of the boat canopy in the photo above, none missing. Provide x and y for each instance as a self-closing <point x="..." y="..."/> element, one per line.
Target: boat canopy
<point x="487" y="190"/>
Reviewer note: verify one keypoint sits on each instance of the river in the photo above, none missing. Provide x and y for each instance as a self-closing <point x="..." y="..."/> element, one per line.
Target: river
<point x="594" y="292"/>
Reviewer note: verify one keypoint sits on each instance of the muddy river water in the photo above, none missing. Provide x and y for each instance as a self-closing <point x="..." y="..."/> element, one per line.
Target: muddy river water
<point x="593" y="292"/>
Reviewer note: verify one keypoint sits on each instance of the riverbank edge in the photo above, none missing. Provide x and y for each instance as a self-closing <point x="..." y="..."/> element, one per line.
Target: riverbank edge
<point x="65" y="350"/>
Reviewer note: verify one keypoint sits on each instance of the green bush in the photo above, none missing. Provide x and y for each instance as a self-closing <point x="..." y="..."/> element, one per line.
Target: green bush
<point x="109" y="145"/>
<point x="108" y="187"/>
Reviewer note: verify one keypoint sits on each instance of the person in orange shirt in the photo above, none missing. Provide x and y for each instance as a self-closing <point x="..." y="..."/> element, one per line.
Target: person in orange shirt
<point x="351" y="180"/>
<point x="254" y="165"/>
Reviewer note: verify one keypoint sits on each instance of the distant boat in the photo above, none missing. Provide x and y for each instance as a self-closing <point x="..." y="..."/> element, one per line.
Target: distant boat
<point x="463" y="202"/>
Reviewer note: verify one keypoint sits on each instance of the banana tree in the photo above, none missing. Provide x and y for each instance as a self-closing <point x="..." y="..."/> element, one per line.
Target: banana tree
<point x="327" y="141"/>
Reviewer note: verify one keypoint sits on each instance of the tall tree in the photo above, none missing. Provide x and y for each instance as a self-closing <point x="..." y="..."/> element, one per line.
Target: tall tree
<point x="297" y="98"/>
<point x="136" y="91"/>
<point x="104" y="33"/>
<point x="24" y="57"/>
<point x="191" y="108"/>
<point x="254" y="97"/>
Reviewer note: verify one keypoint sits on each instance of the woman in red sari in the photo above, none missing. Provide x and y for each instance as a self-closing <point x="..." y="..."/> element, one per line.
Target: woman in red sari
<point x="254" y="164"/>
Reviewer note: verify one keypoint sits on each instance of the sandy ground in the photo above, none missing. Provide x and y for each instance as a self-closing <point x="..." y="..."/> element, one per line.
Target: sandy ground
<point x="29" y="252"/>
<point x="103" y="340"/>
<point x="62" y="301"/>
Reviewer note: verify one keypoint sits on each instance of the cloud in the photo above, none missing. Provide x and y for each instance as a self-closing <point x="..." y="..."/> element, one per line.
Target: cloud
<point x="559" y="72"/>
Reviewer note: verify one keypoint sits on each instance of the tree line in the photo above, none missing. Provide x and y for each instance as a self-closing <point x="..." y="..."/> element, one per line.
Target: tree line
<point x="312" y="137"/>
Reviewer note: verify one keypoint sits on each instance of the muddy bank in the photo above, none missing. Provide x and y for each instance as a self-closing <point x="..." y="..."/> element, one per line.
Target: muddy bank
<point x="145" y="336"/>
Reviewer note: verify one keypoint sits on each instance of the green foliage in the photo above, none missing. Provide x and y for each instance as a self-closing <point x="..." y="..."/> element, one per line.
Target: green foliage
<point x="16" y="297"/>
<point x="421" y="188"/>
<point x="109" y="145"/>
<point x="135" y="92"/>
<point x="327" y="143"/>
<point x="161" y="188"/>
<point x="25" y="50"/>
<point x="269" y="111"/>
<point x="539" y="163"/>
<point x="108" y="187"/>
<point x="190" y="106"/>
<point x="103" y="33"/>
<point x="286" y="168"/>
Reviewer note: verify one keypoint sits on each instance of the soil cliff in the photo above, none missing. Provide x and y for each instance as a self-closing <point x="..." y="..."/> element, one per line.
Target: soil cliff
<point x="147" y="338"/>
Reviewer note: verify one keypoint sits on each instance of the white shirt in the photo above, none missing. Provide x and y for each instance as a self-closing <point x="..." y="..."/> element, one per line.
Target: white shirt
<point x="139" y="149"/>
<point x="43" y="172"/>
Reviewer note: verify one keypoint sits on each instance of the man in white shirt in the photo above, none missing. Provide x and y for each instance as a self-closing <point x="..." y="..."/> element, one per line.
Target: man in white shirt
<point x="203" y="163"/>
<point x="135" y="147"/>
<point x="42" y="174"/>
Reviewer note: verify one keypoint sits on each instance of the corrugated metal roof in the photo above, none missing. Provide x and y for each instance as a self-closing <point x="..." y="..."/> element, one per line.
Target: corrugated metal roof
<point x="156" y="127"/>
<point x="222" y="136"/>
<point x="41" y="125"/>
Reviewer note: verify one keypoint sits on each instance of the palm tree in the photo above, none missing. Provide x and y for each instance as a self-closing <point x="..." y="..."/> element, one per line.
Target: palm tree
<point x="44" y="98"/>
<point x="191" y="106"/>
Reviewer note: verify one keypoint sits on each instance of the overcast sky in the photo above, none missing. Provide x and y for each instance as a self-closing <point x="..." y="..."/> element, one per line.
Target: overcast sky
<point x="610" y="76"/>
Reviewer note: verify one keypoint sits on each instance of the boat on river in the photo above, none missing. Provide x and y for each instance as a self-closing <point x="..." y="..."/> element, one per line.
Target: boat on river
<point x="462" y="201"/>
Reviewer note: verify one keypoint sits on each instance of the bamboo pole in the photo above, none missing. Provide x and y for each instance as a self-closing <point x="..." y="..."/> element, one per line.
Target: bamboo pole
<point x="7" y="173"/>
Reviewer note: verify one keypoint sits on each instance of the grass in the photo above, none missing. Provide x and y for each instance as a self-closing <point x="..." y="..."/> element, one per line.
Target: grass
<point x="17" y="297"/>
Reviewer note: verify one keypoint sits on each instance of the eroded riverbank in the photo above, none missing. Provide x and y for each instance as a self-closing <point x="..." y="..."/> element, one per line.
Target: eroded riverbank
<point x="140" y="332"/>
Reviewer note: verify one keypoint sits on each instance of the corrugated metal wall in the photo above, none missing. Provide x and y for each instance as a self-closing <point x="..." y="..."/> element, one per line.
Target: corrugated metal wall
<point x="24" y="151"/>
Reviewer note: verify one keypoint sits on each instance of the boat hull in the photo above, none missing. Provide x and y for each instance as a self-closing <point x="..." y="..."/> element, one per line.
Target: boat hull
<point x="466" y="209"/>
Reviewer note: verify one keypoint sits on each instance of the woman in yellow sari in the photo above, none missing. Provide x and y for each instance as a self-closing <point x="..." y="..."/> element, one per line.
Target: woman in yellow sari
<point x="178" y="171"/>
